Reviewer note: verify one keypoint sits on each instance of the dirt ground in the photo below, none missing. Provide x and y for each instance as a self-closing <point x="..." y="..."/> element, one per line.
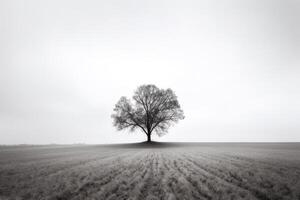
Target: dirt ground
<point x="157" y="171"/>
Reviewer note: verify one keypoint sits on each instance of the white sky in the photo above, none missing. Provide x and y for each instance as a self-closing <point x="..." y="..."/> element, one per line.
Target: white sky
<point x="234" y="65"/>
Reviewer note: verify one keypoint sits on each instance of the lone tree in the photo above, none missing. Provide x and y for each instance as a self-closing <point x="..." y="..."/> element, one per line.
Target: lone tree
<point x="153" y="110"/>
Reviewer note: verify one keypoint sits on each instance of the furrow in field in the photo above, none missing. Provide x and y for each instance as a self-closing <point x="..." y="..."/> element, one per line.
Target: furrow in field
<point x="263" y="178"/>
<point x="217" y="187"/>
<point x="184" y="175"/>
<point x="48" y="167"/>
<point x="229" y="176"/>
<point x="100" y="176"/>
<point x="152" y="187"/>
<point x="132" y="172"/>
<point x="23" y="178"/>
<point x="117" y="186"/>
<point x="262" y="173"/>
<point x="70" y="177"/>
<point x="242" y="161"/>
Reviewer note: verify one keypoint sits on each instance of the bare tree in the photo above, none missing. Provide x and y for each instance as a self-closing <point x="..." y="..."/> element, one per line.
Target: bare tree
<point x="153" y="110"/>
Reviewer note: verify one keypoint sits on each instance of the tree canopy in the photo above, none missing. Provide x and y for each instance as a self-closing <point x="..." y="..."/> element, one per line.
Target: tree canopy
<point x="152" y="110"/>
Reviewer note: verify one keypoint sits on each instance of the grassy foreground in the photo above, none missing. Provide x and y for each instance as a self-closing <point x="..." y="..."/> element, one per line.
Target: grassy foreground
<point x="151" y="171"/>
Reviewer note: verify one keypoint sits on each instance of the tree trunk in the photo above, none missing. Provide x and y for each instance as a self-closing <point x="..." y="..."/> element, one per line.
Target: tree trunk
<point x="148" y="137"/>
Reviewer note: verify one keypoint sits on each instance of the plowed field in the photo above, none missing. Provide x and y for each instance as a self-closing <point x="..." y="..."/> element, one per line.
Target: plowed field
<point x="157" y="171"/>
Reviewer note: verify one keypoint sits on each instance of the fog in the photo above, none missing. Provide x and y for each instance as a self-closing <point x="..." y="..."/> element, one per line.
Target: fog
<point x="234" y="66"/>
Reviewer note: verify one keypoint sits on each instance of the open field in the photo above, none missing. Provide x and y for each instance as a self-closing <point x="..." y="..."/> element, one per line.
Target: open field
<point x="159" y="171"/>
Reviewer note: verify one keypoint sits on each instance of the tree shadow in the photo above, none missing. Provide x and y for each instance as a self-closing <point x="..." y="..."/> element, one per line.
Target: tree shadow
<point x="151" y="145"/>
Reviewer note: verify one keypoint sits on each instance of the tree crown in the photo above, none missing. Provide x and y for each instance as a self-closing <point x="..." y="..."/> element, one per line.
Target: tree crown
<point x="153" y="110"/>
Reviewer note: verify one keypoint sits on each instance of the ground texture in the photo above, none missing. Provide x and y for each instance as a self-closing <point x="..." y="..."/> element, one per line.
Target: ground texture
<point x="158" y="171"/>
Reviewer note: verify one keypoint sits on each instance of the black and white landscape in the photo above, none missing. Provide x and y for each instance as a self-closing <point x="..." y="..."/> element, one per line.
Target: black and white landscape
<point x="149" y="99"/>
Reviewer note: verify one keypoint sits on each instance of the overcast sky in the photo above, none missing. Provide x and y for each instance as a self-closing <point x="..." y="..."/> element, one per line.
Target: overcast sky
<point x="234" y="65"/>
